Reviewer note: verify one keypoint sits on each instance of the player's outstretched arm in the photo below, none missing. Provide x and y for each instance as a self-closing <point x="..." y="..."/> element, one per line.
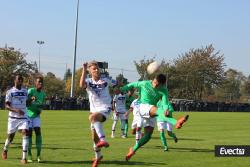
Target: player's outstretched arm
<point x="130" y="86"/>
<point x="83" y="76"/>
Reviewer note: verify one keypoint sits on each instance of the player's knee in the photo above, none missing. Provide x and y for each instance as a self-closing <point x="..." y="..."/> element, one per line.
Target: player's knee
<point x="91" y="118"/>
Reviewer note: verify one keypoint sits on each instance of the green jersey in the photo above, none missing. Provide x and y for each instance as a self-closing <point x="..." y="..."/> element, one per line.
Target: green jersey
<point x="161" y="112"/>
<point x="129" y="100"/>
<point x="35" y="107"/>
<point x="149" y="94"/>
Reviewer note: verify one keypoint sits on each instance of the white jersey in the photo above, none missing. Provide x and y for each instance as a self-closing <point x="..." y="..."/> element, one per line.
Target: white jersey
<point x="136" y="107"/>
<point x="120" y="103"/>
<point x="99" y="97"/>
<point x="17" y="99"/>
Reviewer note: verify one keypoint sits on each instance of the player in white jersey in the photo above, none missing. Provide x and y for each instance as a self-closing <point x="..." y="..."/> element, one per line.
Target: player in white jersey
<point x="100" y="105"/>
<point x="137" y="119"/>
<point x="119" y="106"/>
<point x="15" y="103"/>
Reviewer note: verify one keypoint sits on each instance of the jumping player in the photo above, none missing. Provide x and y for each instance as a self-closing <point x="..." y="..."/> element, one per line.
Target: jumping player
<point x="150" y="93"/>
<point x="100" y="105"/>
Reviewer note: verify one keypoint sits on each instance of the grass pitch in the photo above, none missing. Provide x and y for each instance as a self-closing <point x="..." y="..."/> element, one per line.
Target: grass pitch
<point x="67" y="142"/>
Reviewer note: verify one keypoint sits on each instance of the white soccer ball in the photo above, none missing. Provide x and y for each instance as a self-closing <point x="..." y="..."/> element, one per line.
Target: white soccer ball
<point x="153" y="67"/>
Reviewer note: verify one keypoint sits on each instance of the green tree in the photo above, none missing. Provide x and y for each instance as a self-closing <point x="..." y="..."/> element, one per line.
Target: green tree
<point x="53" y="85"/>
<point x="122" y="79"/>
<point x="13" y="62"/>
<point x="199" y="71"/>
<point x="230" y="89"/>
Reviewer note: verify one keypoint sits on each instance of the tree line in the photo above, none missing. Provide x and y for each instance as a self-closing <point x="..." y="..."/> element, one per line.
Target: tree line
<point x="198" y="74"/>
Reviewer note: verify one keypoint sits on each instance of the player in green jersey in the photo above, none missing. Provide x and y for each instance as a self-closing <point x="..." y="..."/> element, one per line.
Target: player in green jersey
<point x="37" y="97"/>
<point x="163" y="124"/>
<point x="129" y="99"/>
<point x="151" y="91"/>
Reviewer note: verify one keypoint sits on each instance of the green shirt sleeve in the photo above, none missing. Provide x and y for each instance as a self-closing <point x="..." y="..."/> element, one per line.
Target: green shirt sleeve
<point x="130" y="86"/>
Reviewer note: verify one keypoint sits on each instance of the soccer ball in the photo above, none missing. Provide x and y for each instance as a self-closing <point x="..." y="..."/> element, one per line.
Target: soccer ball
<point x="153" y="67"/>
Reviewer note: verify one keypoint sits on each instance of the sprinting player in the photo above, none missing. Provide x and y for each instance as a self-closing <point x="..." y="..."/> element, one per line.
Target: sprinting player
<point x="15" y="103"/>
<point x="163" y="124"/>
<point x="37" y="97"/>
<point x="100" y="105"/>
<point x="129" y="99"/>
<point x="137" y="119"/>
<point x="119" y="106"/>
<point x="150" y="93"/>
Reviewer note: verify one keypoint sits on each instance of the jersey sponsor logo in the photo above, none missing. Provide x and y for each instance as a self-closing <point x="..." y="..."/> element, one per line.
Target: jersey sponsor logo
<point x="20" y="94"/>
<point x="98" y="86"/>
<point x="121" y="98"/>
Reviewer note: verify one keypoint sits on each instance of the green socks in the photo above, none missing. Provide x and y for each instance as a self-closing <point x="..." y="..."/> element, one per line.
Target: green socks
<point x="39" y="145"/>
<point x="126" y="128"/>
<point x="142" y="141"/>
<point x="30" y="146"/>
<point x="163" y="139"/>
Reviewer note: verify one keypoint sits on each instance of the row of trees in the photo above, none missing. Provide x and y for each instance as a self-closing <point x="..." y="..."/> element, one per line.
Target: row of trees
<point x="198" y="74"/>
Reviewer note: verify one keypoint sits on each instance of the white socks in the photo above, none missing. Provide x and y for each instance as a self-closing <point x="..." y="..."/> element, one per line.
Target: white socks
<point x="99" y="130"/>
<point x="25" y="146"/>
<point x="97" y="151"/>
<point x="6" y="144"/>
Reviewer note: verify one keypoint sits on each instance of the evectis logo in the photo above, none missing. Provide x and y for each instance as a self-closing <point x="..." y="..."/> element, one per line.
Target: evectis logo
<point x="232" y="151"/>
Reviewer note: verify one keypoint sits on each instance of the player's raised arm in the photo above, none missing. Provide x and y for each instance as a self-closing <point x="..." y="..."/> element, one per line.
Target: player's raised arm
<point x="83" y="76"/>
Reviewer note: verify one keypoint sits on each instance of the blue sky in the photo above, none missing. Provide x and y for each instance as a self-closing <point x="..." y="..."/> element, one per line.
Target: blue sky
<point x="121" y="31"/>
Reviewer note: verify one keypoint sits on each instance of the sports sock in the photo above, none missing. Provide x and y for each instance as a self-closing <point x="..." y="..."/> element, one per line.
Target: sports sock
<point x="25" y="144"/>
<point x="99" y="130"/>
<point x="126" y="127"/>
<point x="38" y="144"/>
<point x="97" y="151"/>
<point x="122" y="127"/>
<point x="6" y="144"/>
<point x="163" y="139"/>
<point x="137" y="136"/>
<point x="114" y="125"/>
<point x="142" y="141"/>
<point x="30" y="146"/>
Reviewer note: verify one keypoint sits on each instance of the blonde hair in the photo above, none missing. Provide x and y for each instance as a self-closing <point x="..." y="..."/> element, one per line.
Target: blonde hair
<point x="93" y="63"/>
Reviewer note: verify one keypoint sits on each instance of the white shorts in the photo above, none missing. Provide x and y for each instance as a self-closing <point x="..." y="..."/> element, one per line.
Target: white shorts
<point x="17" y="124"/>
<point x="34" y="122"/>
<point x="137" y="122"/>
<point x="149" y="122"/>
<point x="120" y="116"/>
<point x="144" y="110"/>
<point x="105" y="113"/>
<point x="165" y="126"/>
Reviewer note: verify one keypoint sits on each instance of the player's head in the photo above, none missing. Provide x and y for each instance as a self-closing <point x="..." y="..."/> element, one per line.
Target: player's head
<point x="94" y="69"/>
<point x="159" y="80"/>
<point x="18" y="81"/>
<point x="39" y="82"/>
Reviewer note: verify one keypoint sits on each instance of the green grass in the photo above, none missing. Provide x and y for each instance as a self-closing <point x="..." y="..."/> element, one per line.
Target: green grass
<point x="67" y="142"/>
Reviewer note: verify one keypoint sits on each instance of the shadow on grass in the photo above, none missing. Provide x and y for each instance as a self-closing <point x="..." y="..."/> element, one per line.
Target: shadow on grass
<point x="188" y="139"/>
<point x="181" y="149"/>
<point x="115" y="162"/>
<point x="45" y="146"/>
